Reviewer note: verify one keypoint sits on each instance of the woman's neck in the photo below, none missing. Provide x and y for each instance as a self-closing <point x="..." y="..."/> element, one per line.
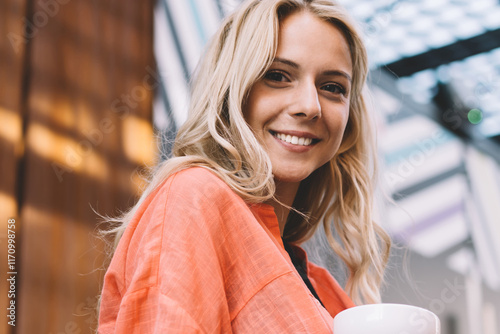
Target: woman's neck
<point x="285" y="194"/>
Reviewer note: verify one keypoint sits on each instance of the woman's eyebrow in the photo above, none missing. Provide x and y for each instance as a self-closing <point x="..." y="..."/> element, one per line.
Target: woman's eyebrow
<point x="286" y="62"/>
<point x="339" y="73"/>
<point x="329" y="72"/>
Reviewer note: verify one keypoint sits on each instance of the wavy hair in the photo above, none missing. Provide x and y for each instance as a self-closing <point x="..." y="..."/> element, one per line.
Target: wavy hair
<point x="216" y="136"/>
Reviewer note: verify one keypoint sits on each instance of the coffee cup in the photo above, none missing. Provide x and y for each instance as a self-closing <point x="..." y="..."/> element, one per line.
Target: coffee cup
<point x="386" y="319"/>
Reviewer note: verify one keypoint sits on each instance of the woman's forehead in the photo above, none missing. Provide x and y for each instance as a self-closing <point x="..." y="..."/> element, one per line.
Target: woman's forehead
<point x="304" y="38"/>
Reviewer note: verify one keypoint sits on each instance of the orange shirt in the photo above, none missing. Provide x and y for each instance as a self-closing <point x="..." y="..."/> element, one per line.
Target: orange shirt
<point x="197" y="259"/>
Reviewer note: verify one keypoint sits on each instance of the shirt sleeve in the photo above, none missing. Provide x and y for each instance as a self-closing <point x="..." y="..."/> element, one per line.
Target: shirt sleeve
<point x="169" y="278"/>
<point x="150" y="311"/>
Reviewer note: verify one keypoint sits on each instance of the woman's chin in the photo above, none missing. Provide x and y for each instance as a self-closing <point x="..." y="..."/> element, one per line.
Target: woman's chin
<point x="290" y="177"/>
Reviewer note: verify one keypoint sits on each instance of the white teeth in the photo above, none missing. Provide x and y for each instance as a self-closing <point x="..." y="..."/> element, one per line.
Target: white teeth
<point x="294" y="139"/>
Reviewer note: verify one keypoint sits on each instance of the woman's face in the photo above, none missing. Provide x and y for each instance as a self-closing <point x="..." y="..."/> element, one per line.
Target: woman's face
<point x="299" y="109"/>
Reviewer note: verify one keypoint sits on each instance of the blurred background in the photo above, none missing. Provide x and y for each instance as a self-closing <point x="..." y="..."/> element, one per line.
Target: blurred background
<point x="91" y="90"/>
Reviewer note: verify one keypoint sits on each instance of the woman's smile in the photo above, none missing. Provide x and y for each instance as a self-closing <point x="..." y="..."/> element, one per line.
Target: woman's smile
<point x="295" y="141"/>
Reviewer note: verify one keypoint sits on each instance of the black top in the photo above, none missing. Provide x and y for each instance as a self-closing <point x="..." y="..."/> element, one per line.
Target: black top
<point x="301" y="267"/>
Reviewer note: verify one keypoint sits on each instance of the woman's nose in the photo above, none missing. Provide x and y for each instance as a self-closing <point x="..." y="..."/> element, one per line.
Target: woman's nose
<point x="307" y="103"/>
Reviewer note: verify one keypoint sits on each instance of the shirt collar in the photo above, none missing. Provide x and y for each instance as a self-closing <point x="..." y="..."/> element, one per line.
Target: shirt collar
<point x="266" y="216"/>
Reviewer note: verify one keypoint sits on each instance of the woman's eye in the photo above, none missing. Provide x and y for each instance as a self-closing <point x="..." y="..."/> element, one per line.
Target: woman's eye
<point x="275" y="76"/>
<point x="334" y="88"/>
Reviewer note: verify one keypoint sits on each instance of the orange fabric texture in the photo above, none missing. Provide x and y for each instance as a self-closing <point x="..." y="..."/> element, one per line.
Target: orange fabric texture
<point x="197" y="259"/>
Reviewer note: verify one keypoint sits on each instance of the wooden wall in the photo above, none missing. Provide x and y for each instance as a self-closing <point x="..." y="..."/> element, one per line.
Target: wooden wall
<point x="77" y="79"/>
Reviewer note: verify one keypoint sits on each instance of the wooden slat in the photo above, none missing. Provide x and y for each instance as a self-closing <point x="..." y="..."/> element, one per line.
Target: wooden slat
<point x="11" y="144"/>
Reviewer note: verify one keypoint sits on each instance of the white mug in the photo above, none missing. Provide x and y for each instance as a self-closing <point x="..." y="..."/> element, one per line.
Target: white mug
<point x="386" y="319"/>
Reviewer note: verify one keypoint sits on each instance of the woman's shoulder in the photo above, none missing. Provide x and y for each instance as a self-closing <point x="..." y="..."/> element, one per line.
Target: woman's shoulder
<point x="195" y="188"/>
<point x="189" y="190"/>
<point x="195" y="181"/>
<point x="197" y="175"/>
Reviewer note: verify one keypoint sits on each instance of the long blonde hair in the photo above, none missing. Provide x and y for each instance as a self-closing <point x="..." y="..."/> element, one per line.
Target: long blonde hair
<point x="216" y="136"/>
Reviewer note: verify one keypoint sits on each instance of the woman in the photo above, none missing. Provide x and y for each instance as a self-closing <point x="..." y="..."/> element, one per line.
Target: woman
<point x="277" y="142"/>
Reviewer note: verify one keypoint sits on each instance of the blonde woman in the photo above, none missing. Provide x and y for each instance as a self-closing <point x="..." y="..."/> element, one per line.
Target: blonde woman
<point x="277" y="142"/>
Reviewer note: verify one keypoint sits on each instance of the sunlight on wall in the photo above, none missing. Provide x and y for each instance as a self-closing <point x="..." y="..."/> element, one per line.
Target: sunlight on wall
<point x="74" y="156"/>
<point x="10" y="128"/>
<point x="8" y="204"/>
<point x="138" y="143"/>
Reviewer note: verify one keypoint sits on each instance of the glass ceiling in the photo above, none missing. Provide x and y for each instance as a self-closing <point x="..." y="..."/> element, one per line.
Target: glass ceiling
<point x="396" y="30"/>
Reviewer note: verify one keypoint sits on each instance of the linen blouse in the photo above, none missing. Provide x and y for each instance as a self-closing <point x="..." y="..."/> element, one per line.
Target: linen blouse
<point x="197" y="259"/>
